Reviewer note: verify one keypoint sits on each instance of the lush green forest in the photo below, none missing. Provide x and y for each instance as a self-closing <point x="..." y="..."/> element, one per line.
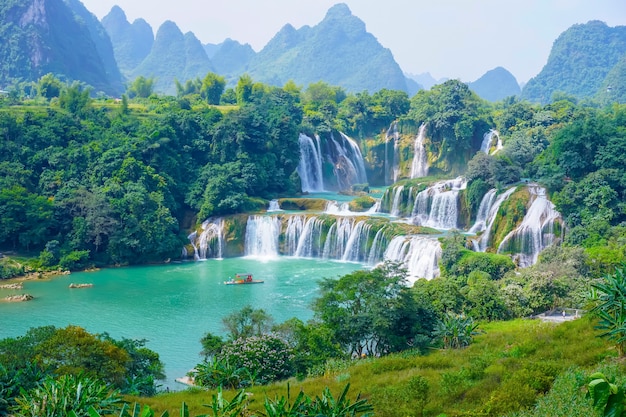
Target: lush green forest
<point x="95" y="182"/>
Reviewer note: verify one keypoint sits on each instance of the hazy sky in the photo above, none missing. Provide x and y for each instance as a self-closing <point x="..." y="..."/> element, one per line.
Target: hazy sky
<point x="448" y="38"/>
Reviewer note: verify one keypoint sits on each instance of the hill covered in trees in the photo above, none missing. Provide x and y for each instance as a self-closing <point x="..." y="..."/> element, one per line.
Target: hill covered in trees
<point x="338" y="51"/>
<point x="496" y="85"/>
<point x="55" y="36"/>
<point x="131" y="42"/>
<point x="580" y="60"/>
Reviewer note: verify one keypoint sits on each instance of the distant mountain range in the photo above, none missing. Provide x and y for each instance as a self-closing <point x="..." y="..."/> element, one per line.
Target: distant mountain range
<point x="64" y="38"/>
<point x="338" y="50"/>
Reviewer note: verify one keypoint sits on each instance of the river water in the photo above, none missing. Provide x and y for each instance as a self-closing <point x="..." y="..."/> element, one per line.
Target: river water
<point x="171" y="306"/>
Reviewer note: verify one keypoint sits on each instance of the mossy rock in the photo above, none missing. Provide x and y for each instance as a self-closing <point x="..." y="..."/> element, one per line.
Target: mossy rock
<point x="510" y="215"/>
<point x="361" y="204"/>
<point x="303" y="204"/>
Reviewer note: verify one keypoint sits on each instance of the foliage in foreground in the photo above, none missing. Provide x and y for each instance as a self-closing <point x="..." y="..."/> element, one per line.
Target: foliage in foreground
<point x="508" y="368"/>
<point x="609" y="293"/>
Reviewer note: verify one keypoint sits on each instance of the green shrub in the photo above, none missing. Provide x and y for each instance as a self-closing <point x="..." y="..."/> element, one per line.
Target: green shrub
<point x="68" y="393"/>
<point x="74" y="260"/>
<point x="362" y="203"/>
<point x="267" y="357"/>
<point x="10" y="268"/>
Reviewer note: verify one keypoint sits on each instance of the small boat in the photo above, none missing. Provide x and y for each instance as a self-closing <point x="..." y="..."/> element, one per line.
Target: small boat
<point x="244" y="278"/>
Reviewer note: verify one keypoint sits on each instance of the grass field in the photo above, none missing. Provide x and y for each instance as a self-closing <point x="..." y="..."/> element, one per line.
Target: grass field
<point x="510" y="368"/>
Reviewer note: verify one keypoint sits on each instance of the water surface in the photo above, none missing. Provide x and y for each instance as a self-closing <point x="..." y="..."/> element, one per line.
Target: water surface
<point x="172" y="306"/>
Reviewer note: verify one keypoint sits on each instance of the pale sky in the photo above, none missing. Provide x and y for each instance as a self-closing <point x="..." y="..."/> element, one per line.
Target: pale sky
<point x="460" y="39"/>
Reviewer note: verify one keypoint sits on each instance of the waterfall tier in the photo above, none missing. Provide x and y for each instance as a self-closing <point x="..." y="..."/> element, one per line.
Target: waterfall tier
<point x="392" y="162"/>
<point x="488" y="142"/>
<point x="342" y="235"/>
<point x="419" y="254"/>
<point x="338" y="154"/>
<point x="209" y="243"/>
<point x="438" y="205"/>
<point x="536" y="232"/>
<point x="419" y="167"/>
<point x="486" y="225"/>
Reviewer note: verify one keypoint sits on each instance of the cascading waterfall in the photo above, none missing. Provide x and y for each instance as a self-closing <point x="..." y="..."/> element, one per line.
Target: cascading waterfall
<point x="536" y="231"/>
<point x="356" y="157"/>
<point x="437" y="206"/>
<point x="354" y="246"/>
<point x="480" y="245"/>
<point x="488" y="140"/>
<point x="483" y="212"/>
<point x="419" y="167"/>
<point x="420" y="255"/>
<point x="397" y="194"/>
<point x="274" y="206"/>
<point x="262" y="233"/>
<point x="310" y="166"/>
<point x="342" y="153"/>
<point x="377" y="250"/>
<point x="392" y="169"/>
<point x="310" y="240"/>
<point x="293" y="232"/>
<point x="209" y="243"/>
<point x="343" y="209"/>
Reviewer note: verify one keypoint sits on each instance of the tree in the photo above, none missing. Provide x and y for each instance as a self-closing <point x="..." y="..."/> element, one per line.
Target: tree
<point x="246" y="323"/>
<point x="50" y="86"/>
<point x="243" y="90"/>
<point x="371" y="312"/>
<point x="609" y="296"/>
<point x="211" y="345"/>
<point x="213" y="87"/>
<point x="141" y="87"/>
<point x="72" y="350"/>
<point x="75" y="99"/>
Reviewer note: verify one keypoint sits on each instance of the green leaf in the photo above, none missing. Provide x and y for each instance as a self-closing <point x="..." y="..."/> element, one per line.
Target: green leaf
<point x="600" y="391"/>
<point x="184" y="410"/>
<point x="615" y="404"/>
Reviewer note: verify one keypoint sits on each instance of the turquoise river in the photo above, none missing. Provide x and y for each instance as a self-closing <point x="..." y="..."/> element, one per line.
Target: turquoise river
<point x="171" y="306"/>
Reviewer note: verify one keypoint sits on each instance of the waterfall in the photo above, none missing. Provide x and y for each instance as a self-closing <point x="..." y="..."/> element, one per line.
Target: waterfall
<point x="210" y="242"/>
<point x="391" y="170"/>
<point x="377" y="250"/>
<point x="419" y="167"/>
<point x="337" y="238"/>
<point x="374" y="209"/>
<point x="357" y="158"/>
<point x="487" y="142"/>
<point x="420" y="255"/>
<point x="310" y="166"/>
<point x="354" y="245"/>
<point x="293" y="232"/>
<point x="343" y="209"/>
<point x="483" y="212"/>
<point x="437" y="206"/>
<point x="350" y="160"/>
<point x="397" y="195"/>
<point x="480" y="245"/>
<point x="274" y="206"/>
<point x="262" y="233"/>
<point x="536" y="231"/>
<point x="310" y="240"/>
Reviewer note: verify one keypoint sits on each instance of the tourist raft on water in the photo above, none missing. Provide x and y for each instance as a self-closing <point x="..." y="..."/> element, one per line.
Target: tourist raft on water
<point x="244" y="278"/>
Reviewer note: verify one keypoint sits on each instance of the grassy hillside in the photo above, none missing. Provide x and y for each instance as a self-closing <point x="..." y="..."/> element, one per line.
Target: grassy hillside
<point x="511" y="367"/>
